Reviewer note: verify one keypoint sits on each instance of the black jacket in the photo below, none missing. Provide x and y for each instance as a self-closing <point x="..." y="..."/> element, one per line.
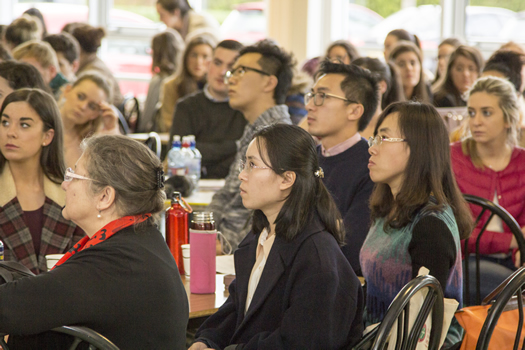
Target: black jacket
<point x="127" y="288"/>
<point x="308" y="297"/>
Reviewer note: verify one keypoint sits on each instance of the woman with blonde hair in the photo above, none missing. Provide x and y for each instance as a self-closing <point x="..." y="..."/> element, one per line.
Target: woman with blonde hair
<point x="489" y="164"/>
<point x="86" y="111"/>
<point x="190" y="78"/>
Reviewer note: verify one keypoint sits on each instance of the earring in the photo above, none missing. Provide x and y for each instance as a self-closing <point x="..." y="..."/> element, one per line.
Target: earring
<point x="99" y="216"/>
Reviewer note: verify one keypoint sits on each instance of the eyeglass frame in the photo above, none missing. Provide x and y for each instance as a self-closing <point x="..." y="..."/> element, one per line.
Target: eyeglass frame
<point x="378" y="140"/>
<point x="314" y="94"/>
<point x="242" y="165"/>
<point x="70" y="173"/>
<point x="233" y="73"/>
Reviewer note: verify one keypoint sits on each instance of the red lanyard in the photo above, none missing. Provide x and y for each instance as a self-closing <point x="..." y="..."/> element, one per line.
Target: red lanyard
<point x="104" y="233"/>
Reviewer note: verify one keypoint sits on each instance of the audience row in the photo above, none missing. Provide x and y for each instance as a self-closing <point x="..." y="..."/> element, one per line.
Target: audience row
<point x="372" y="188"/>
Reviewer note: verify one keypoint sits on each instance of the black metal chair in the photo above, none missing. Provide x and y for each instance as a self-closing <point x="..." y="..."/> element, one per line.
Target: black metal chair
<point x="130" y="109"/>
<point x="399" y="311"/>
<point x="152" y="140"/>
<point x="493" y="209"/>
<point x="513" y="289"/>
<point x="80" y="335"/>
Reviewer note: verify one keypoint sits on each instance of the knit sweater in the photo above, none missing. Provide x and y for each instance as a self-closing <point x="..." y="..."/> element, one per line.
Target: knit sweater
<point x="391" y="259"/>
<point x="347" y="178"/>
<point x="231" y="217"/>
<point x="216" y="127"/>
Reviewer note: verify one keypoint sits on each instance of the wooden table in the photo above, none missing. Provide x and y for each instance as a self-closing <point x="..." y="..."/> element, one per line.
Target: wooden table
<point x="206" y="304"/>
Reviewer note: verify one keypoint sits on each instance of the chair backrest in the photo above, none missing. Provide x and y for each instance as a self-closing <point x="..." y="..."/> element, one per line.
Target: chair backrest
<point x="94" y="339"/>
<point x="494" y="210"/>
<point x="514" y="287"/>
<point x="130" y="109"/>
<point x="152" y="140"/>
<point x="398" y="313"/>
<point x="80" y="335"/>
<point x="123" y="124"/>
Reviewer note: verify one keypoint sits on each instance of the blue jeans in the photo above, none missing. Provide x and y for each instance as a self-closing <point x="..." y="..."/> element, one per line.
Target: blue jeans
<point x="492" y="270"/>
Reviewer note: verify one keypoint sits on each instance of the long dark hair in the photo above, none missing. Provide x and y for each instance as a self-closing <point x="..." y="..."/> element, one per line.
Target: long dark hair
<point x="454" y="42"/>
<point x="388" y="73"/>
<point x="351" y="50"/>
<point x="402" y="34"/>
<point x="186" y="83"/>
<point x="508" y="63"/>
<point x="290" y="148"/>
<point x="420" y="92"/>
<point x="166" y="53"/>
<point x="52" y="156"/>
<point x="172" y="5"/>
<point x="428" y="171"/>
<point x="448" y="87"/>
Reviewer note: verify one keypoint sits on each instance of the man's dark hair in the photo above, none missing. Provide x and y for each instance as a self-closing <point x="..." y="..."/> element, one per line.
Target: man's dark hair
<point x="359" y="85"/>
<point x="274" y="61"/>
<point x="65" y="44"/>
<point x="233" y="45"/>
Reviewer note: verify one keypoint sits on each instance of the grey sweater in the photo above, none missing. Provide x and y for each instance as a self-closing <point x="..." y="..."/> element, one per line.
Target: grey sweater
<point x="231" y="217"/>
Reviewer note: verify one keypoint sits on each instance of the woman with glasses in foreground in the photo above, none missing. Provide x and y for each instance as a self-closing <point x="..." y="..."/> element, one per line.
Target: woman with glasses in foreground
<point x="418" y="213"/>
<point x="121" y="279"/>
<point x="294" y="288"/>
<point x="31" y="170"/>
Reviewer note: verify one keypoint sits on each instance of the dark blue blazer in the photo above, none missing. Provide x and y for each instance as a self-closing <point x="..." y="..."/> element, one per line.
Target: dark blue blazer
<point x="308" y="297"/>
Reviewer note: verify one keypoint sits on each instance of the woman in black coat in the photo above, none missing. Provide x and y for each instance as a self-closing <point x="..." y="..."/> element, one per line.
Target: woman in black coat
<point x="294" y="287"/>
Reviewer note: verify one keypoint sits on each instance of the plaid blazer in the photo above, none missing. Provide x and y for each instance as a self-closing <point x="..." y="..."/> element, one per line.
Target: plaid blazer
<point x="58" y="234"/>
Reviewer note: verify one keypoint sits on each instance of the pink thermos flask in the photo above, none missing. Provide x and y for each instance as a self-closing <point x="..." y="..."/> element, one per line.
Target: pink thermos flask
<point x="203" y="237"/>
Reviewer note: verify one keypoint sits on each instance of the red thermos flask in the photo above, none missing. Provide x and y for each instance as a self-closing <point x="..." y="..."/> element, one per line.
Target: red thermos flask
<point x="177" y="228"/>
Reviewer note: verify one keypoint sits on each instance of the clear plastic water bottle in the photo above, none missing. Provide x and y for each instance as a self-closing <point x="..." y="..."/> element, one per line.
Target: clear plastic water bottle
<point x="197" y="160"/>
<point x="1" y="251"/>
<point x="176" y="160"/>
<point x="188" y="160"/>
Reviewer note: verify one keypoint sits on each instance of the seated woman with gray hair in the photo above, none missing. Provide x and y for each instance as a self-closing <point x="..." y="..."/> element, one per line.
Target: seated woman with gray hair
<point x="121" y="279"/>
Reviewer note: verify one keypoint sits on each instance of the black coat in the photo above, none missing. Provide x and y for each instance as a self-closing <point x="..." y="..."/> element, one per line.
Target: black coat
<point x="127" y="288"/>
<point x="308" y="297"/>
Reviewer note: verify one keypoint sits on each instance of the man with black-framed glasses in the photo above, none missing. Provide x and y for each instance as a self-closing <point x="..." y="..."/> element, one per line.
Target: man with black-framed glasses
<point x="342" y="101"/>
<point x="257" y="86"/>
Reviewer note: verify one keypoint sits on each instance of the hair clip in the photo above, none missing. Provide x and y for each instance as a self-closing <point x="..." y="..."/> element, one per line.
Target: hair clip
<point x="160" y="178"/>
<point x="319" y="173"/>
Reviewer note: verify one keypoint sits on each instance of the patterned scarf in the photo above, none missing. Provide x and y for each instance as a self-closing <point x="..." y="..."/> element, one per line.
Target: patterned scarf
<point x="104" y="233"/>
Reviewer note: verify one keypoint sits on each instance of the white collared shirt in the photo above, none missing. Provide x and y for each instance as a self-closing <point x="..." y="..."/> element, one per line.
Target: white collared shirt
<point x="263" y="250"/>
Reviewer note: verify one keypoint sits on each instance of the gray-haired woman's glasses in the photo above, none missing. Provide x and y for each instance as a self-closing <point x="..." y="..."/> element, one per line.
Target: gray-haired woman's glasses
<point x="70" y="175"/>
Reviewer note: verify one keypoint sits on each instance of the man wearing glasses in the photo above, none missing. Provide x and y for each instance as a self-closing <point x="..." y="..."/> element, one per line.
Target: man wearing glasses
<point x="340" y="105"/>
<point x="207" y="115"/>
<point x="257" y="87"/>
